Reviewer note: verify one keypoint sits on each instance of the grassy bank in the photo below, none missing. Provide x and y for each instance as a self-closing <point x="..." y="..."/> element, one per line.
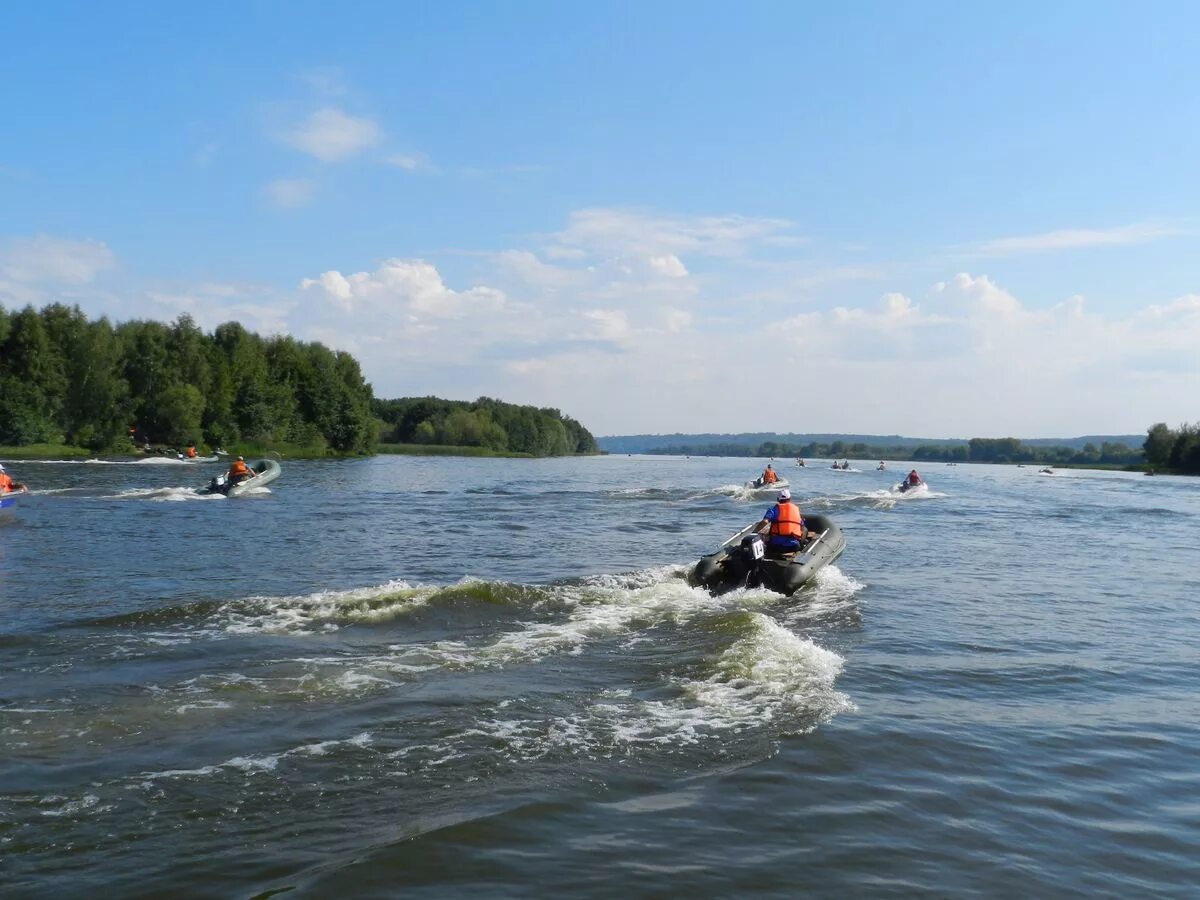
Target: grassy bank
<point x="45" y="451"/>
<point x="444" y="450"/>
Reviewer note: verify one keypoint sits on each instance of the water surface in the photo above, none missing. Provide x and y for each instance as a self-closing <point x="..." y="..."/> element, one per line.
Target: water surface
<point x="442" y="675"/>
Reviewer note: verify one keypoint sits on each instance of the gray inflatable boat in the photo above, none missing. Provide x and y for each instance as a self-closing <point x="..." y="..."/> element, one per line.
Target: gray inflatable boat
<point x="745" y="560"/>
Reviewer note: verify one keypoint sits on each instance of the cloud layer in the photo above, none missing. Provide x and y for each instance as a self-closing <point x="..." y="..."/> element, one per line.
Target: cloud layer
<point x="633" y="320"/>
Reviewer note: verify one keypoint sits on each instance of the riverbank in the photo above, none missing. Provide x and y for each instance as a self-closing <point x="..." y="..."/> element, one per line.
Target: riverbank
<point x="44" y="451"/>
<point x="446" y="450"/>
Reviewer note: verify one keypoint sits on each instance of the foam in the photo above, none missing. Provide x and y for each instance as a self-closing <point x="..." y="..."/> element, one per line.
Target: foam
<point x="321" y="610"/>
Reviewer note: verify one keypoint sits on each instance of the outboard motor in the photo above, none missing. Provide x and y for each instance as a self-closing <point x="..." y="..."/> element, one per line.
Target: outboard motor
<point x="750" y="553"/>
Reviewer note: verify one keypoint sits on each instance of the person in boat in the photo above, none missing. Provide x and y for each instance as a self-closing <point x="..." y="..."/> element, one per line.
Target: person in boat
<point x="913" y="478"/>
<point x="7" y="484"/>
<point x="191" y="451"/>
<point x="783" y="525"/>
<point x="882" y="467"/>
<point x="239" y="472"/>
<point x="768" y="476"/>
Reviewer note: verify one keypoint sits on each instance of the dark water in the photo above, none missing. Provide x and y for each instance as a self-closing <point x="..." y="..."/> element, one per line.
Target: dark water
<point x="434" y="676"/>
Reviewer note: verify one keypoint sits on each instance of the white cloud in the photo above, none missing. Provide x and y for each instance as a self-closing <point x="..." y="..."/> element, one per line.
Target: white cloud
<point x="412" y="286"/>
<point x="332" y="135"/>
<point x="290" y="193"/>
<point x="668" y="264"/>
<point x="607" y="324"/>
<point x="53" y="260"/>
<point x="530" y="270"/>
<point x="254" y="306"/>
<point x="1073" y="239"/>
<point x="644" y="234"/>
<point x="409" y="162"/>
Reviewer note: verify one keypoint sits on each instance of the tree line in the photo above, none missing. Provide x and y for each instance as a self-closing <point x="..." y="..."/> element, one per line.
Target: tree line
<point x="487" y="423"/>
<point x="66" y="379"/>
<point x="1176" y="449"/>
<point x="982" y="450"/>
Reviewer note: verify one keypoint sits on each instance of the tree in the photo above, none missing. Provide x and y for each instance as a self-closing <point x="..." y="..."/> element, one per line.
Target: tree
<point x="1158" y="444"/>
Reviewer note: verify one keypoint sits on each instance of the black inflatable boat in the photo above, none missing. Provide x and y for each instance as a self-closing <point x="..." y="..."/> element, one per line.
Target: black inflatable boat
<point x="745" y="560"/>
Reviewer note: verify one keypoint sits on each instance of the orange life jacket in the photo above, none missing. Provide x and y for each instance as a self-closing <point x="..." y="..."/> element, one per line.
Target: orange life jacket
<point x="768" y="476"/>
<point x="913" y="477"/>
<point x="191" y="452"/>
<point x="238" y="468"/>
<point x="6" y="483"/>
<point x="789" y="522"/>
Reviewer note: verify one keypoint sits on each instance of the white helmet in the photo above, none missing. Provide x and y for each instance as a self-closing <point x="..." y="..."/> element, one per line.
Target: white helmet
<point x="785" y="495"/>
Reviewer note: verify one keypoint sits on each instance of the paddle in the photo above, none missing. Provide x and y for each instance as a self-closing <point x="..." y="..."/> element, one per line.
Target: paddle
<point x="809" y="549"/>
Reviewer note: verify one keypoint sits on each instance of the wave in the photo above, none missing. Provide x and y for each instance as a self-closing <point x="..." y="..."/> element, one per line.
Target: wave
<point x="165" y="494"/>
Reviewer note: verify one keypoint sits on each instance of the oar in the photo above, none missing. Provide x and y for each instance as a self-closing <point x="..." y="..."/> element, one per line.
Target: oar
<point x="812" y="546"/>
<point x="738" y="535"/>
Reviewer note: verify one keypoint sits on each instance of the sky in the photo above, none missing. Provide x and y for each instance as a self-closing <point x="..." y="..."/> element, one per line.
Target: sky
<point x="934" y="219"/>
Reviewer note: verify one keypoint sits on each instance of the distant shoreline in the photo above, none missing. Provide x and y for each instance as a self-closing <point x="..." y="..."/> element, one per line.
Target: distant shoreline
<point x="66" y="451"/>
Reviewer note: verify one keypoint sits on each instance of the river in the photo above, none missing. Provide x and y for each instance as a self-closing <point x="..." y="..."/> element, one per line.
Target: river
<point x="429" y="676"/>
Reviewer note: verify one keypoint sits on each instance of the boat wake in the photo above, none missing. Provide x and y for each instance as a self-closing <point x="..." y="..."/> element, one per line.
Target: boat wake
<point x="749" y="494"/>
<point x="610" y="669"/>
<point x="162" y="495"/>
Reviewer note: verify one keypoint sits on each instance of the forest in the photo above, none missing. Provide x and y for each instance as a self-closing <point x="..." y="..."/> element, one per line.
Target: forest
<point x="986" y="450"/>
<point x="485" y="423"/>
<point x="67" y="380"/>
<point x="1176" y="450"/>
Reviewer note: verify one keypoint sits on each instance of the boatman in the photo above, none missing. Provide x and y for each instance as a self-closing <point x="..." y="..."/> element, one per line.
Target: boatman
<point x="785" y="526"/>
<point x="239" y="471"/>
<point x="768" y="475"/>
<point x="191" y="451"/>
<point x="913" y="478"/>
<point x="7" y="485"/>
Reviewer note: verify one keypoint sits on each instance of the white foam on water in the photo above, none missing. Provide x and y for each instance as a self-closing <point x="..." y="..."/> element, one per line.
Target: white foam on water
<point x="259" y="764"/>
<point x="322" y="748"/>
<point x="185" y="708"/>
<point x="769" y="679"/>
<point x="70" y="808"/>
<point x="604" y="606"/>
<point x="770" y="674"/>
<point x="321" y="610"/>
<point x="747" y="494"/>
<point x="164" y="494"/>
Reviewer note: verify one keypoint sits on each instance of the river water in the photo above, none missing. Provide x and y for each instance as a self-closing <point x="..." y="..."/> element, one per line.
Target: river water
<point x="431" y="676"/>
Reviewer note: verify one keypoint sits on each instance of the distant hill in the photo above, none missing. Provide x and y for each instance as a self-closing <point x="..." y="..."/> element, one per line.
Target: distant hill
<point x="651" y="443"/>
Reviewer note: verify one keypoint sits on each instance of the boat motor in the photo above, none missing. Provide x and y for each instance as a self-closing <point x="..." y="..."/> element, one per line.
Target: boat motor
<point x="752" y="546"/>
<point x="744" y="563"/>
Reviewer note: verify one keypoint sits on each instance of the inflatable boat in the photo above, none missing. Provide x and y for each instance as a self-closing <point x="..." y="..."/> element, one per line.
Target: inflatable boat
<point x="266" y="471"/>
<point x="758" y="484"/>
<point x="745" y="560"/>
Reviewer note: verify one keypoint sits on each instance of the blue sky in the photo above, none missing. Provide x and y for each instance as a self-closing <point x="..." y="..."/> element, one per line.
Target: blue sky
<point x="657" y="217"/>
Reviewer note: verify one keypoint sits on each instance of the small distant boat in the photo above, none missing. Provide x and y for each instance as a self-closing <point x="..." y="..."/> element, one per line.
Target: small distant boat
<point x="758" y="484"/>
<point x="1047" y="471"/>
<point x="266" y="471"/>
<point x="744" y="561"/>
